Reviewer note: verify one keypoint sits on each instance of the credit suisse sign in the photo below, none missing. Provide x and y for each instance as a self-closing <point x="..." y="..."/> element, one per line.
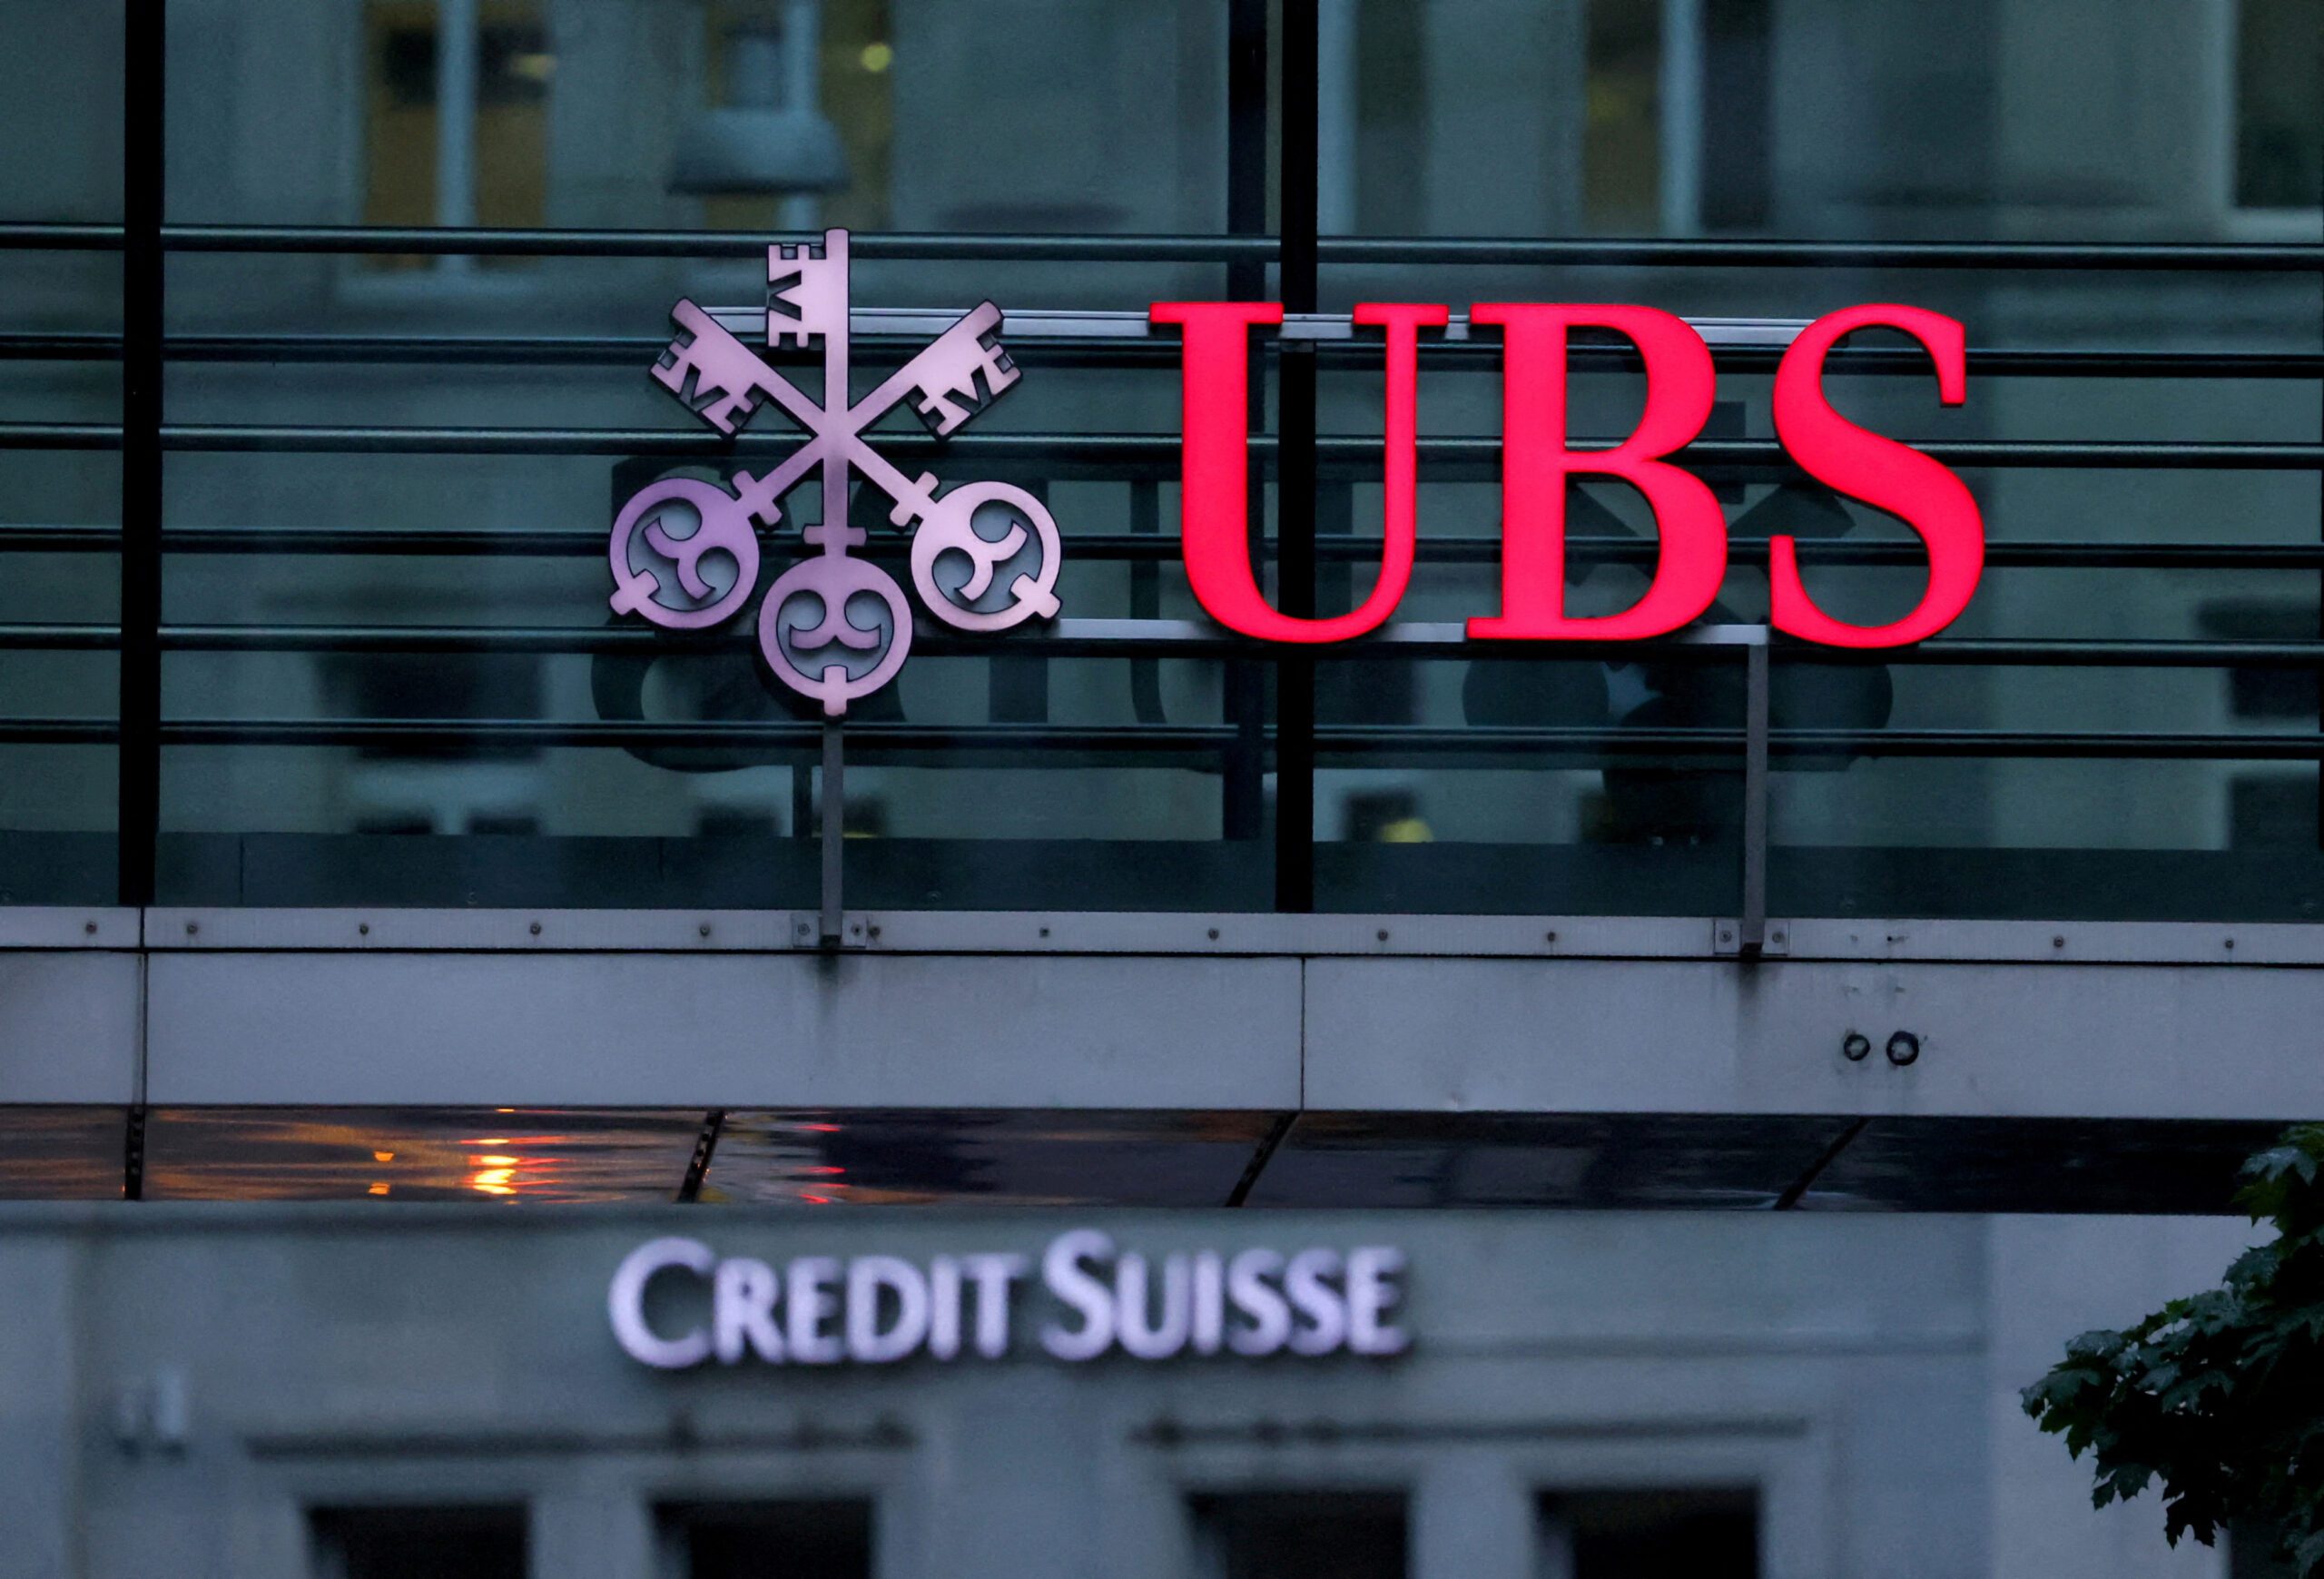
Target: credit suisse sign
<point x="1097" y="1300"/>
<point x="686" y="553"/>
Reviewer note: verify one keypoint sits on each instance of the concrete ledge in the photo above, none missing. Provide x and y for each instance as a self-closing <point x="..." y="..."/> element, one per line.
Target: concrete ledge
<point x="1635" y="1036"/>
<point x="731" y="1031"/>
<point x="70" y="1027"/>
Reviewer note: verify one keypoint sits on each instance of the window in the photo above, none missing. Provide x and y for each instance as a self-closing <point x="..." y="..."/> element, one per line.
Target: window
<point x="798" y="1539"/>
<point x="456" y="122"/>
<point x="2271" y="58"/>
<point x="418" y="1542"/>
<point x="2279" y="105"/>
<point x="1645" y="1534"/>
<point x="828" y="67"/>
<point x="1301" y="1534"/>
<point x="1672" y="136"/>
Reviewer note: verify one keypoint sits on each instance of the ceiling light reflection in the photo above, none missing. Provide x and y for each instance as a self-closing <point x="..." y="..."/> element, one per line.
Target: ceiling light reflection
<point x="259" y="1154"/>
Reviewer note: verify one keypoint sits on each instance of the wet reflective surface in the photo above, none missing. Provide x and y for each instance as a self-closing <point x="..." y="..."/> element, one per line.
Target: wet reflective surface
<point x="60" y="1153"/>
<point x="814" y="1157"/>
<point x="1040" y="1159"/>
<point x="484" y="1154"/>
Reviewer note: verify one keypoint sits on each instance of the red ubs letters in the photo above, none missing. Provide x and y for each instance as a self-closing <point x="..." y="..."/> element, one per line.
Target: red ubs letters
<point x="1536" y="462"/>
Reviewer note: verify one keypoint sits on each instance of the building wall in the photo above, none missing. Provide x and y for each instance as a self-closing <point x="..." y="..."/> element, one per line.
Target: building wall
<point x="1857" y="1371"/>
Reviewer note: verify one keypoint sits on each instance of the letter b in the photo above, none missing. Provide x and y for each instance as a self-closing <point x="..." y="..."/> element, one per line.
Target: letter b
<point x="1536" y="464"/>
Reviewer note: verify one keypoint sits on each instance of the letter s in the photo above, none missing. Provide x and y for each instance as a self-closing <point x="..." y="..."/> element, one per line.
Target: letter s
<point x="1308" y="1282"/>
<point x="1883" y="473"/>
<point x="1255" y="1297"/>
<point x="1061" y="1271"/>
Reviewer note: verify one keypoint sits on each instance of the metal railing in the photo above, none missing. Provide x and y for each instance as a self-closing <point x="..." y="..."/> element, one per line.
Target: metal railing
<point x="1310" y="469"/>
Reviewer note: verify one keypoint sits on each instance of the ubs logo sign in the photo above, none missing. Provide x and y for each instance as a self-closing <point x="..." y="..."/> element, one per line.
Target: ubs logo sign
<point x="1538" y="459"/>
<point x="812" y="626"/>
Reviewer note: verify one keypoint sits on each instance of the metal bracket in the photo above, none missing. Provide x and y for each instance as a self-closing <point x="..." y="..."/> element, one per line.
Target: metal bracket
<point x="1749" y="936"/>
<point x="1752" y="935"/>
<point x="1727" y="940"/>
<point x="835" y="832"/>
<point x="855" y="931"/>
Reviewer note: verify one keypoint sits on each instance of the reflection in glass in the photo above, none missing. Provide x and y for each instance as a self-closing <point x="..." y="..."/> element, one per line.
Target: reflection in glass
<point x="498" y="1154"/>
<point x="456" y="118"/>
<point x="56" y="1153"/>
<point x="1031" y="1159"/>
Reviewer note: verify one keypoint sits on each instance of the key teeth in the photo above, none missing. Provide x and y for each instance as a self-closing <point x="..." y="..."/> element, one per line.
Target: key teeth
<point x="631" y="596"/>
<point x="763" y="506"/>
<point x="1032" y="595"/>
<point x="722" y="369"/>
<point x="806" y="290"/>
<point x="909" y="510"/>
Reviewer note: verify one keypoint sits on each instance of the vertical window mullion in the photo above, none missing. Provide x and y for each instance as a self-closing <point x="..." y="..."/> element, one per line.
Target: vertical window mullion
<point x="455" y="95"/>
<point x="139" y="754"/>
<point x="1242" y="811"/>
<point x="1296" y="472"/>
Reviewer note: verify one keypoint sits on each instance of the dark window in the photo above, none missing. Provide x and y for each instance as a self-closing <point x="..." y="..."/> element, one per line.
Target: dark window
<point x="419" y="1542"/>
<point x="1649" y="1535"/>
<point x="2279" y="105"/>
<point x="2269" y="693"/>
<point x="480" y="687"/>
<point x="2271" y="809"/>
<point x="1301" y="1534"/>
<point x="794" y="1540"/>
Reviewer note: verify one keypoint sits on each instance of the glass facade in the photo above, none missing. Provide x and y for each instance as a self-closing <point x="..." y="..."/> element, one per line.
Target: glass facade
<point x="388" y="456"/>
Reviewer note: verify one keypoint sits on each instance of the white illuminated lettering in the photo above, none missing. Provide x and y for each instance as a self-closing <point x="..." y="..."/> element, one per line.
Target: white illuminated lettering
<point x="1308" y="1280"/>
<point x="1372" y="1290"/>
<point x="944" y="1307"/>
<point x="1167" y="1333"/>
<point x="625" y="1303"/>
<point x="1207" y="1324"/>
<point x="1255" y="1298"/>
<point x="879" y="1310"/>
<point x="867" y="1276"/>
<point x="811" y="1303"/>
<point x="742" y="1310"/>
<point x="1062" y="1273"/>
<point x="992" y="1274"/>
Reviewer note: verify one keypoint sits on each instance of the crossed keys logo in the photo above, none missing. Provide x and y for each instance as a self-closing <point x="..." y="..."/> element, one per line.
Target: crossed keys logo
<point x="812" y="625"/>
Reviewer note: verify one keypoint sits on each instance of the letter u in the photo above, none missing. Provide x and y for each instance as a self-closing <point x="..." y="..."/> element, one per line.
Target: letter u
<point x="1213" y="508"/>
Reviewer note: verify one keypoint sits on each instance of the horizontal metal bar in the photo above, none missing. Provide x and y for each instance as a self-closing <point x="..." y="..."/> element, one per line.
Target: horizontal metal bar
<point x="60" y="435"/>
<point x="417" y="929"/>
<point x="32" y="237"/>
<point x="45" y="927"/>
<point x="891" y="246"/>
<point x="453" y="542"/>
<point x="1387" y="252"/>
<point x="43" y="345"/>
<point x="1112" y="326"/>
<point x="625" y="351"/>
<point x="1401" y="251"/>
<point x="1417" y="745"/>
<point x="1103" y="454"/>
<point x="1190" y="639"/>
